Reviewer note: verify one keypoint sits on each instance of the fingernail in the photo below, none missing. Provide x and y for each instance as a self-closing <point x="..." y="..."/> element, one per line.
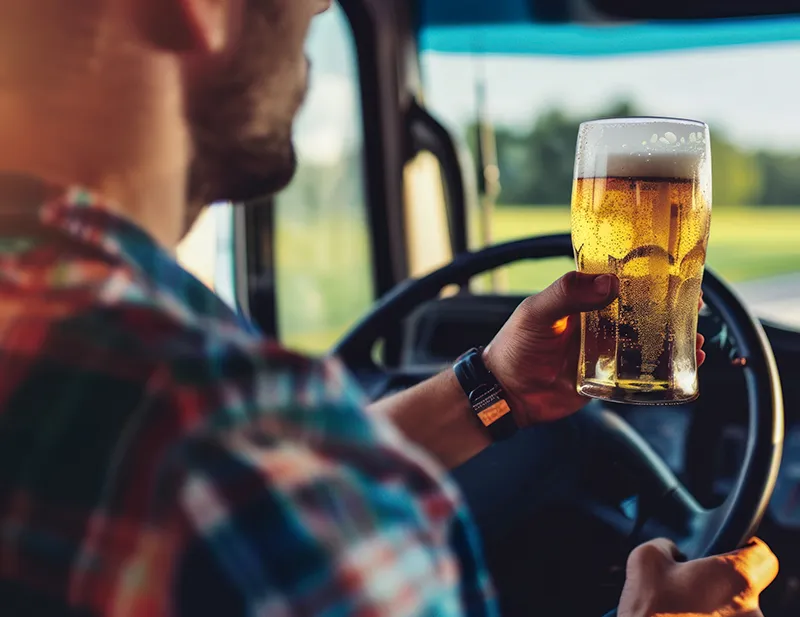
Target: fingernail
<point x="602" y="284"/>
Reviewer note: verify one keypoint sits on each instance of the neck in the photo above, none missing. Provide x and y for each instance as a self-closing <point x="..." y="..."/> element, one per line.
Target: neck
<point x="133" y="152"/>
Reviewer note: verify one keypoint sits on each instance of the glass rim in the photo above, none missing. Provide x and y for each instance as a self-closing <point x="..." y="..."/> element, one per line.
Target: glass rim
<point x="655" y="120"/>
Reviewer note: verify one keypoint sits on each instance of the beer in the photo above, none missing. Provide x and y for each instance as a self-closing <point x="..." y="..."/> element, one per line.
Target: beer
<point x="647" y="220"/>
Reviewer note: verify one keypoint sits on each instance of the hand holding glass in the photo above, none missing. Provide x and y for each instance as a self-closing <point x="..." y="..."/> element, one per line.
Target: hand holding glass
<point x="641" y="209"/>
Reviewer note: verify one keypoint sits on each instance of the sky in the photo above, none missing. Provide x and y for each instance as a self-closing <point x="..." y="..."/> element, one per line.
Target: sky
<point x="751" y="91"/>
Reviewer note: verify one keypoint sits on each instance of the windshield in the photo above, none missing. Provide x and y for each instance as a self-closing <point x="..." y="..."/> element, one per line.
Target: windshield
<point x="533" y="104"/>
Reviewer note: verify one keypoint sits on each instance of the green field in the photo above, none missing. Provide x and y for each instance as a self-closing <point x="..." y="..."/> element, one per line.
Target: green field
<point x="746" y="243"/>
<point x="323" y="274"/>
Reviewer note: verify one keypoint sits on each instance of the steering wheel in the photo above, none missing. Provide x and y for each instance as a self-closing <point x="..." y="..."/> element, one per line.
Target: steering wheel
<point x="668" y="509"/>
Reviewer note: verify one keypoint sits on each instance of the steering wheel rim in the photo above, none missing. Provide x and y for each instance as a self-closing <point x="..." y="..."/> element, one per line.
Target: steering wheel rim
<point x="713" y="531"/>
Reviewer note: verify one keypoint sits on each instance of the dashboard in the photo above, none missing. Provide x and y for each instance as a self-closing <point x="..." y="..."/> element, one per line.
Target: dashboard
<point x="668" y="432"/>
<point x="785" y="504"/>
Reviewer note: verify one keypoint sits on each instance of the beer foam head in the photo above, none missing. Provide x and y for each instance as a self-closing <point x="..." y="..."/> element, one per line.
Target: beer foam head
<point x="642" y="148"/>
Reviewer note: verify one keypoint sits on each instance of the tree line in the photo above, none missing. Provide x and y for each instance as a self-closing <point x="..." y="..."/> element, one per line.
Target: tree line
<point x="536" y="164"/>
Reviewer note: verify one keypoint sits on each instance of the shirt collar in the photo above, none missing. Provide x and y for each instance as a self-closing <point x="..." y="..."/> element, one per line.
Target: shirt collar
<point x="85" y="217"/>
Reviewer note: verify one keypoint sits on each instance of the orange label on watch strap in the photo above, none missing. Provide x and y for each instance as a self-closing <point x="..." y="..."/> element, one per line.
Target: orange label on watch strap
<point x="494" y="413"/>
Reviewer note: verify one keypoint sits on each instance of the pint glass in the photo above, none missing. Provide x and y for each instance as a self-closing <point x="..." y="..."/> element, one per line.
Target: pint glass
<point x="641" y="209"/>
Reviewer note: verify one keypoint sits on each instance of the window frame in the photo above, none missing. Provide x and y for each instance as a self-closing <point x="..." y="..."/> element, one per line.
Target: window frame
<point x="370" y="21"/>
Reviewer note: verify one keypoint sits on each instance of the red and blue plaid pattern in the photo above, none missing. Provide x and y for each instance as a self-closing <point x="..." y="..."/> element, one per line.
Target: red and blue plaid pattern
<point x="158" y="457"/>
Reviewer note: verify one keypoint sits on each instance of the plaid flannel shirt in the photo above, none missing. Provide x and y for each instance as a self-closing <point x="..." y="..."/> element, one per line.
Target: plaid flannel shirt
<point x="159" y="457"/>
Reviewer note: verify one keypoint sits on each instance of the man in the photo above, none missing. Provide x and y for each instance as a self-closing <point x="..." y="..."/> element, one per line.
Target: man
<point x="156" y="456"/>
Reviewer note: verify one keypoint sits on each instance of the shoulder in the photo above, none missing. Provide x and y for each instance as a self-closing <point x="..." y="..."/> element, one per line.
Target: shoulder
<point x="296" y="497"/>
<point x="286" y="489"/>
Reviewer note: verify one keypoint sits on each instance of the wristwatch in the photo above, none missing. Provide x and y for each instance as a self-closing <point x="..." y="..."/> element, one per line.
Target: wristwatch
<point x="486" y="396"/>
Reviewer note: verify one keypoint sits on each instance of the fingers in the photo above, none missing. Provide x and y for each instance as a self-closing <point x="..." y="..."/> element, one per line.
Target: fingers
<point x="740" y="576"/>
<point x="701" y="355"/>
<point x="727" y="584"/>
<point x="571" y="294"/>
<point x="757" y="563"/>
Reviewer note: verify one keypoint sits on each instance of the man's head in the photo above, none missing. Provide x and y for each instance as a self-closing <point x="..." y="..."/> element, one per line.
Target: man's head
<point x="224" y="78"/>
<point x="241" y="106"/>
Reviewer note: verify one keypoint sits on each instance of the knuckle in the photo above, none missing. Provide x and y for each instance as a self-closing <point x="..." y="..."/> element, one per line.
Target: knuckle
<point x="528" y="310"/>
<point x="764" y="551"/>
<point x="734" y="580"/>
<point x="566" y="283"/>
<point x="529" y="304"/>
<point x="758" y="563"/>
<point x="769" y="563"/>
<point x="555" y="295"/>
<point x="646" y="556"/>
<point x="774" y="565"/>
<point x="737" y="578"/>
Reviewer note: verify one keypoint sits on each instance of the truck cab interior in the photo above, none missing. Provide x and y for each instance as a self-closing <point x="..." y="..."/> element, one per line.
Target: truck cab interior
<point x="436" y="150"/>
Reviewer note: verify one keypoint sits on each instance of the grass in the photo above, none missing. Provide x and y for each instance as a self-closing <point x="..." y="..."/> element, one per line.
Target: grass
<point x="745" y="244"/>
<point x="324" y="274"/>
<point x="324" y="279"/>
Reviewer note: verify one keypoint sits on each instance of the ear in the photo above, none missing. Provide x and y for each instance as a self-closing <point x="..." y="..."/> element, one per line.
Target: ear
<point x="188" y="26"/>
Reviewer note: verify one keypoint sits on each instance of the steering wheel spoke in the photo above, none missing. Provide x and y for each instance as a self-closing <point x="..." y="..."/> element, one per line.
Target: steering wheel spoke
<point x="653" y="502"/>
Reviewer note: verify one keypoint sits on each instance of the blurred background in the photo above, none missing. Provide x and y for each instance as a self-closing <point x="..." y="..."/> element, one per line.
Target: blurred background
<point x="532" y="86"/>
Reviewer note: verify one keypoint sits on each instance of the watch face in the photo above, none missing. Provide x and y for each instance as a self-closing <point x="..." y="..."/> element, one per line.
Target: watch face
<point x="485" y="395"/>
<point x="492" y="414"/>
<point x="487" y="401"/>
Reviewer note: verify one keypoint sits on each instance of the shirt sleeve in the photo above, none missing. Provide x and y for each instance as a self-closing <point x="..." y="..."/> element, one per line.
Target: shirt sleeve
<point x="312" y="507"/>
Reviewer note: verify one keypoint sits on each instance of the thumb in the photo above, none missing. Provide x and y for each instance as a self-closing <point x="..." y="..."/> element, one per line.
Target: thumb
<point x="571" y="294"/>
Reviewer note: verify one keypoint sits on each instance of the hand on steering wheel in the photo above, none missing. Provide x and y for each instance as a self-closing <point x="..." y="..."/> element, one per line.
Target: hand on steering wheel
<point x="535" y="355"/>
<point x="730" y="584"/>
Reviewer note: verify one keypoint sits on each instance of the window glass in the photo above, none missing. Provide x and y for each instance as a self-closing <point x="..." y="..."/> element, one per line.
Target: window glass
<point x="427" y="228"/>
<point x="322" y="251"/>
<point x="534" y="104"/>
<point x="207" y="251"/>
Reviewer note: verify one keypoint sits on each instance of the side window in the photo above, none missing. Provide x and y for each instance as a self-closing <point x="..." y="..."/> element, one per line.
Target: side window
<point x="323" y="261"/>
<point x="207" y="251"/>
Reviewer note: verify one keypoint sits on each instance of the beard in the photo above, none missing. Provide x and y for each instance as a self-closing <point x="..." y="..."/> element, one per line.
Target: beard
<point x="240" y="117"/>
